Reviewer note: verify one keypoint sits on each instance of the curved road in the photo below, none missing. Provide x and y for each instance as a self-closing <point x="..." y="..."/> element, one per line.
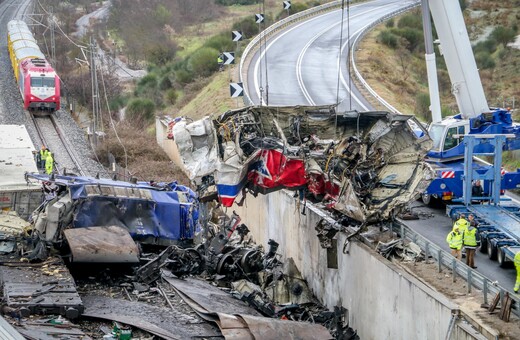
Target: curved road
<point x="299" y="66"/>
<point x="302" y="69"/>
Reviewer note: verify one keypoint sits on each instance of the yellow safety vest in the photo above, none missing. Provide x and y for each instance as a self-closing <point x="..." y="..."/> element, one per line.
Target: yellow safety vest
<point x="49" y="164"/>
<point x="462" y="224"/>
<point x="454" y="240"/>
<point x="517" y="260"/>
<point x="470" y="237"/>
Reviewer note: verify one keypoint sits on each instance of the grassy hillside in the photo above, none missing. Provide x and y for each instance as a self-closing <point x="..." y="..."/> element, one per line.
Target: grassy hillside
<point x="398" y="72"/>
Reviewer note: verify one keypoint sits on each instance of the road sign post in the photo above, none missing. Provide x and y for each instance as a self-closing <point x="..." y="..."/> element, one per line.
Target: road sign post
<point x="287" y="6"/>
<point x="236" y="90"/>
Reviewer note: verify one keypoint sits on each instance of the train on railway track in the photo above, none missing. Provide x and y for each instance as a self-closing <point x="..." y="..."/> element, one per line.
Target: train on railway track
<point x="37" y="81"/>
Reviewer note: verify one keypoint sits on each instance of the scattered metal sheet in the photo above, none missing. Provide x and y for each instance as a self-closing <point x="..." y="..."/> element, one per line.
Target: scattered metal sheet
<point x="407" y="251"/>
<point x="46" y="331"/>
<point x="163" y="322"/>
<point x="242" y="322"/>
<point x="209" y="297"/>
<point x="265" y="328"/>
<point x="41" y="289"/>
<point x="111" y="244"/>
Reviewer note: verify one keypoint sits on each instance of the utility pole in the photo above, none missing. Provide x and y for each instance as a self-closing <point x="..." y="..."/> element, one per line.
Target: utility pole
<point x="95" y="89"/>
<point x="53" y="40"/>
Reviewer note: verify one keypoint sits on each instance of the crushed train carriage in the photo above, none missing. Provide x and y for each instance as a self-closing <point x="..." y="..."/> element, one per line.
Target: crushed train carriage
<point x="365" y="165"/>
<point x="110" y="215"/>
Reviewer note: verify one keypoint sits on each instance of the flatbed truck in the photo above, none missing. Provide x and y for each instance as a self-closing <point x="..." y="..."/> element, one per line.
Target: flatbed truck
<point x="498" y="218"/>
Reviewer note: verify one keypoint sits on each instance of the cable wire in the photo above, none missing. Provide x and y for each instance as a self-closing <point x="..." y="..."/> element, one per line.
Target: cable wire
<point x="339" y="67"/>
<point x="59" y="28"/>
<point x="112" y="121"/>
<point x="265" y="58"/>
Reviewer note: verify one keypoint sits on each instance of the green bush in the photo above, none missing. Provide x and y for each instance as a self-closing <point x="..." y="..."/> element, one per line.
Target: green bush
<point x="295" y="8"/>
<point x="247" y="26"/>
<point x="118" y="103"/>
<point x="390" y="23"/>
<point x="149" y="80"/>
<point x="203" y="62"/>
<point x="183" y="76"/>
<point x="161" y="54"/>
<point x="488" y="45"/>
<point x="141" y="109"/>
<point x="386" y="37"/>
<point x="410" y="21"/>
<point x="503" y="53"/>
<point x="484" y="60"/>
<point x="165" y="83"/>
<point x="221" y="42"/>
<point x="503" y="35"/>
<point x="171" y="96"/>
<point x="412" y="36"/>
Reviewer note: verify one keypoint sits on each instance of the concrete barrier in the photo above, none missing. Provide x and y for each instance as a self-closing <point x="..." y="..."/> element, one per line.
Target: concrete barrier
<point x="383" y="301"/>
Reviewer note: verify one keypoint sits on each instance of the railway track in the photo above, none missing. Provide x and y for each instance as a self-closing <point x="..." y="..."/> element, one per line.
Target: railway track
<point x="53" y="137"/>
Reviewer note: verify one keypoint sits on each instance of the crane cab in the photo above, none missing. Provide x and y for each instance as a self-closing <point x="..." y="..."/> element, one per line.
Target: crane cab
<point x="447" y="147"/>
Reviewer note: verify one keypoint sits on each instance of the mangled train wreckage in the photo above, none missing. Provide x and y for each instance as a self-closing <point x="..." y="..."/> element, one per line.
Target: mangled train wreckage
<point x="364" y="165"/>
<point x="101" y="218"/>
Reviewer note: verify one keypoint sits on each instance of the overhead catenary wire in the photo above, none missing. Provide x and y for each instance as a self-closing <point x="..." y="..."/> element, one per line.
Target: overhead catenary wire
<point x="42" y="7"/>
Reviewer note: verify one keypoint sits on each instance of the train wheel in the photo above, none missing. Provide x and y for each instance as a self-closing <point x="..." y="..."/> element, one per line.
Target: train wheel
<point x="491" y="250"/>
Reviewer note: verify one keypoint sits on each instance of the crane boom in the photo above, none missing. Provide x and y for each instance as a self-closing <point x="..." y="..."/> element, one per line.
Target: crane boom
<point x="458" y="54"/>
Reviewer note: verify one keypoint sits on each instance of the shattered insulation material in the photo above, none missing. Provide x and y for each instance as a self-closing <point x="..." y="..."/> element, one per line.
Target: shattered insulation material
<point x="13" y="225"/>
<point x="364" y="165"/>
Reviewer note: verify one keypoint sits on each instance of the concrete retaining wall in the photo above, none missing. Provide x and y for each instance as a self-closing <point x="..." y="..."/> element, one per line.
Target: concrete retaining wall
<point x="383" y="302"/>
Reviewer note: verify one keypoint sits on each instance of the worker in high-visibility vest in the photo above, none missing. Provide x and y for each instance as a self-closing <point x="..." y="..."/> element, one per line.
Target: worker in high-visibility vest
<point x="462" y="224"/>
<point x="471" y="240"/>
<point x="517" y="266"/>
<point x="220" y="61"/>
<point x="454" y="240"/>
<point x="43" y="156"/>
<point x="49" y="164"/>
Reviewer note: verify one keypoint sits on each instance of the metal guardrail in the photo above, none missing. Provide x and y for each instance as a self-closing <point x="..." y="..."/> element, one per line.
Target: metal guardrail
<point x="274" y="28"/>
<point x="359" y="37"/>
<point x="458" y="268"/>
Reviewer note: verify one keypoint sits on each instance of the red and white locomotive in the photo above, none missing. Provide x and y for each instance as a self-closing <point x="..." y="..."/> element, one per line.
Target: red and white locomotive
<point x="37" y="81"/>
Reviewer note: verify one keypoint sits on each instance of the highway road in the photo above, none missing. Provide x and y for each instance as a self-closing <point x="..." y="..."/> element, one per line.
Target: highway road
<point x="299" y="66"/>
